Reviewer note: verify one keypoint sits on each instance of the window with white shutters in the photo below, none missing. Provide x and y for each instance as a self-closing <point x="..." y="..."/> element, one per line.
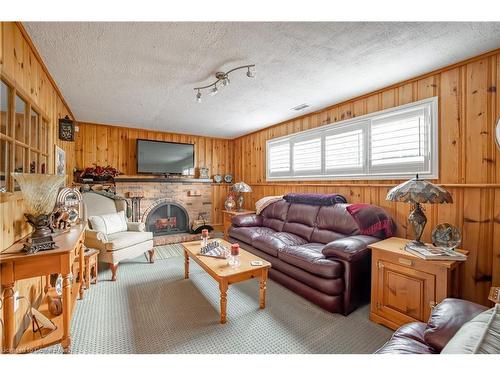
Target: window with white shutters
<point x="391" y="144"/>
<point x="307" y="156"/>
<point x="278" y="159"/>
<point x="345" y="151"/>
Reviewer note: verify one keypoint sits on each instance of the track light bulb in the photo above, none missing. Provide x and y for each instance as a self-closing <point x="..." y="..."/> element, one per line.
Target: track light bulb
<point x="250" y="73"/>
<point x="226" y="81"/>
<point x="198" y="97"/>
<point x="214" y="91"/>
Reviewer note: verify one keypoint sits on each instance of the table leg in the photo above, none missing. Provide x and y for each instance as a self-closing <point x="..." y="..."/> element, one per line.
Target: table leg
<point x="186" y="265"/>
<point x="87" y="275"/>
<point x="66" y="300"/>
<point x="47" y="284"/>
<point x="96" y="271"/>
<point x="262" y="289"/>
<point x="223" y="300"/>
<point x="82" y="266"/>
<point x="8" y="317"/>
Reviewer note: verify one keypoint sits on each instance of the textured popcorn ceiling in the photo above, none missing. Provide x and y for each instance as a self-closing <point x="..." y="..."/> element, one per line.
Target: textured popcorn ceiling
<point x="142" y="74"/>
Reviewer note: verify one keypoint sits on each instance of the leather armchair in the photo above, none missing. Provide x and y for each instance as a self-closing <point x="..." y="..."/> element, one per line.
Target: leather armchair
<point x="431" y="337"/>
<point x="117" y="246"/>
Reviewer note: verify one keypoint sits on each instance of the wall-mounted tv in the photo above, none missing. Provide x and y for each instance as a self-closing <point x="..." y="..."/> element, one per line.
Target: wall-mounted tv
<point x="157" y="157"/>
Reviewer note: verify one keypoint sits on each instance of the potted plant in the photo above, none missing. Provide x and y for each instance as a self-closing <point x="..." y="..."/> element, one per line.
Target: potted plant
<point x="99" y="173"/>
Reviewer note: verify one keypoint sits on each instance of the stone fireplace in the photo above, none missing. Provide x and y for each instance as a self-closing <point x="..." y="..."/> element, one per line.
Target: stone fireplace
<point x="166" y="218"/>
<point x="168" y="206"/>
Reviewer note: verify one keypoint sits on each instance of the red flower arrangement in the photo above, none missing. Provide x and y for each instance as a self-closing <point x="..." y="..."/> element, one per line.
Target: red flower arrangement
<point x="100" y="173"/>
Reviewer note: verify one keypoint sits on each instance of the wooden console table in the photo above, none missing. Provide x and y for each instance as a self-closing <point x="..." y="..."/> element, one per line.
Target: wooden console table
<point x="16" y="265"/>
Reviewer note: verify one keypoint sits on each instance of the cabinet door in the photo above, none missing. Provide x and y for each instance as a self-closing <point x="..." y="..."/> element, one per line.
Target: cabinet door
<point x="404" y="293"/>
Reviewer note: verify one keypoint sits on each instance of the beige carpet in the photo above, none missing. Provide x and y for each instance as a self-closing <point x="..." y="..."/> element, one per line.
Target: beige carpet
<point x="152" y="309"/>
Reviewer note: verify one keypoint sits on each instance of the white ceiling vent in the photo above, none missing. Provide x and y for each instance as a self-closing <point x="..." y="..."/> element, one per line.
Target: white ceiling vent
<point x="300" y="107"/>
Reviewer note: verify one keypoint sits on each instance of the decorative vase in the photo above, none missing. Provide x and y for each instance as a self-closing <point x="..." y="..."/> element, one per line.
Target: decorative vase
<point x="230" y="203"/>
<point x="39" y="192"/>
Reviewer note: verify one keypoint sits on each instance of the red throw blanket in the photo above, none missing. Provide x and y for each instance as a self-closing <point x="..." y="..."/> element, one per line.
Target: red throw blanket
<point x="372" y="220"/>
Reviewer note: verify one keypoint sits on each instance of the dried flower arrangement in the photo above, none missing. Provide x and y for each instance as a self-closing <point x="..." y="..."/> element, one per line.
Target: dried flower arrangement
<point x="100" y="173"/>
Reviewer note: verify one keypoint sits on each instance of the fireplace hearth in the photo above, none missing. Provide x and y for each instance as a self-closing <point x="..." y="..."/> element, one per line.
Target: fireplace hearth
<point x="167" y="218"/>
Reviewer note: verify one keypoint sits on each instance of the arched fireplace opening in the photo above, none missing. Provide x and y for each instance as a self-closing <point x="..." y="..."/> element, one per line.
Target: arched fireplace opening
<point x="167" y="218"/>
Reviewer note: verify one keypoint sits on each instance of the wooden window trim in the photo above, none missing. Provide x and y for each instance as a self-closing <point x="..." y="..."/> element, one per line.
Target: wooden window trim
<point x="29" y="150"/>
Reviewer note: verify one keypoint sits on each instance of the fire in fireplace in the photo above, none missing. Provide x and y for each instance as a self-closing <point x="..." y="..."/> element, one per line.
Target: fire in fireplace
<point x="167" y="218"/>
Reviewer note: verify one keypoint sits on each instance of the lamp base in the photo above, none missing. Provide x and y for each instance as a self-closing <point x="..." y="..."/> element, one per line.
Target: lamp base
<point x="34" y="245"/>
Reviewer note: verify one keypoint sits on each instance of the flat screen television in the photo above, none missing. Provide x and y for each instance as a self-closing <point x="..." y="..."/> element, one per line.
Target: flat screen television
<point x="158" y="157"/>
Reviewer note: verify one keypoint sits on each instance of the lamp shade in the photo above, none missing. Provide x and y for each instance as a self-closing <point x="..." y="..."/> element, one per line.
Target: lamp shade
<point x="39" y="191"/>
<point x="419" y="191"/>
<point x="241" y="187"/>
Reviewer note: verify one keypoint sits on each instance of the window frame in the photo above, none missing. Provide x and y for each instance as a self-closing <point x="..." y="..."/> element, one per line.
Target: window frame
<point x="430" y="106"/>
<point x="30" y="152"/>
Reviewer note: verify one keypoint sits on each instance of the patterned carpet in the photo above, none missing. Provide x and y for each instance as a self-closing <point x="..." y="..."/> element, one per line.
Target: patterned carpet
<point x="152" y="309"/>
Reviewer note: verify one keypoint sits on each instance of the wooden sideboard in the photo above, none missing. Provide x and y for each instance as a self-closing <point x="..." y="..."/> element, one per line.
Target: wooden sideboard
<point x="405" y="287"/>
<point x="17" y="265"/>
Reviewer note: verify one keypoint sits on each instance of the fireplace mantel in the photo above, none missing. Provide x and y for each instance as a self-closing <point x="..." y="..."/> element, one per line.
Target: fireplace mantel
<point x="165" y="180"/>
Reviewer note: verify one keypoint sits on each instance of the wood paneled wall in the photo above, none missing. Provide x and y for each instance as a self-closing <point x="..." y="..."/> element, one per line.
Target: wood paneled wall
<point x="469" y="107"/>
<point x="21" y="66"/>
<point x="116" y="146"/>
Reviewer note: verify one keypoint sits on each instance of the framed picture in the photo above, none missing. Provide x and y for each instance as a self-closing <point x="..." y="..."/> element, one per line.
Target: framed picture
<point x="66" y="129"/>
<point x="60" y="160"/>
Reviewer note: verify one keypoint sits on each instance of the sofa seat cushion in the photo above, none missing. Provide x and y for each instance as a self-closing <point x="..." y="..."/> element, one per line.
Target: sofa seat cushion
<point x="271" y="244"/>
<point x="117" y="241"/>
<point x="408" y="339"/>
<point x="310" y="258"/>
<point x="248" y="234"/>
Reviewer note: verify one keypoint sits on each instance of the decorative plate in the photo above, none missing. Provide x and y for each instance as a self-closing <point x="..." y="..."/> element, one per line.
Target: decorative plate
<point x="446" y="235"/>
<point x="228" y="178"/>
<point x="218" y="178"/>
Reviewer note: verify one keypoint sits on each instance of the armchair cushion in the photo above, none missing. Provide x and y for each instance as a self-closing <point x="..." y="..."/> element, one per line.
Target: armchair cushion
<point x="95" y="239"/>
<point x="479" y="336"/>
<point x="136" y="227"/>
<point x="250" y="220"/>
<point x="348" y="248"/>
<point x="121" y="240"/>
<point x="109" y="223"/>
<point x="447" y="318"/>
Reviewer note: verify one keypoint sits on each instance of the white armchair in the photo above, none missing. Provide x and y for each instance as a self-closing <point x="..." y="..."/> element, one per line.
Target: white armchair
<point x="118" y="246"/>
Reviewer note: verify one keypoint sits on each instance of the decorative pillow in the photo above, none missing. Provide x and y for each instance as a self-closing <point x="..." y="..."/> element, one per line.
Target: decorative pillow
<point x="109" y="223"/>
<point x="479" y="336"/>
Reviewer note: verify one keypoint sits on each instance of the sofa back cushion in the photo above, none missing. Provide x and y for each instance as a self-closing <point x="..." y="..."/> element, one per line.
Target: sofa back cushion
<point x="301" y="219"/>
<point x="332" y="223"/>
<point x="274" y="216"/>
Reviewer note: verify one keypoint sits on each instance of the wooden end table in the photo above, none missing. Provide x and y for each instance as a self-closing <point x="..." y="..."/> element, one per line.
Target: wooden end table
<point x="405" y="288"/>
<point x="221" y="272"/>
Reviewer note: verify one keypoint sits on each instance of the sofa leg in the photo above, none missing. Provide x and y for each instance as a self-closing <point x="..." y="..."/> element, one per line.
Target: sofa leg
<point x="114" y="268"/>
<point x="151" y="255"/>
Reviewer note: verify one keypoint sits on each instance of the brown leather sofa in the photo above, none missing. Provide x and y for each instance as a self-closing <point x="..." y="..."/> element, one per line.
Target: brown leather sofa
<point x="431" y="337"/>
<point x="315" y="251"/>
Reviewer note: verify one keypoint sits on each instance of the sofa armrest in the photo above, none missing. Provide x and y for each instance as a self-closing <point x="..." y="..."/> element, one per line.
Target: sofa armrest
<point x="95" y="239"/>
<point x="447" y="318"/>
<point x="136" y="227"/>
<point x="349" y="248"/>
<point x="249" y="220"/>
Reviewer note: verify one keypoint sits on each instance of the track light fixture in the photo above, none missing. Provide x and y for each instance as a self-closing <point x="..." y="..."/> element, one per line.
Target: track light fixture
<point x="224" y="79"/>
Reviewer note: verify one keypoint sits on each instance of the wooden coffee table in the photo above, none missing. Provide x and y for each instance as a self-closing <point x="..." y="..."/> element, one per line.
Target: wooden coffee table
<point x="224" y="274"/>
